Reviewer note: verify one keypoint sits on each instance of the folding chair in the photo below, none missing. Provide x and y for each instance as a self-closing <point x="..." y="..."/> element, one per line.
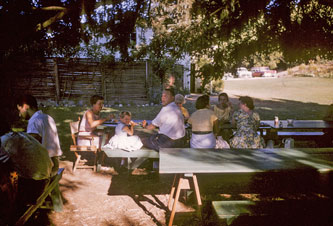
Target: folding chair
<point x="80" y="163"/>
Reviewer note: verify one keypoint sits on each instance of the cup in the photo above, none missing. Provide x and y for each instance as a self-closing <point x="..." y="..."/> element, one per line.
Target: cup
<point x="290" y="122"/>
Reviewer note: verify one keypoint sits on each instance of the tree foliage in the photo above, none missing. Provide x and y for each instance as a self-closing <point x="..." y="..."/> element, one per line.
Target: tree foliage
<point x="219" y="35"/>
<point x="231" y="33"/>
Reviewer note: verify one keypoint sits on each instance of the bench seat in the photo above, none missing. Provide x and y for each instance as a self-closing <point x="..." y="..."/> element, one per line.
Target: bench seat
<point x="141" y="155"/>
<point x="230" y="212"/>
<point x="120" y="153"/>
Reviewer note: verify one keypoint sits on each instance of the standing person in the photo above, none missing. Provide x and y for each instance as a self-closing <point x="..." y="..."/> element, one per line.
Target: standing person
<point x="170" y="122"/>
<point x="223" y="110"/>
<point x="247" y="122"/>
<point x="204" y="122"/>
<point x="180" y="100"/>
<point x="90" y="120"/>
<point x="42" y="127"/>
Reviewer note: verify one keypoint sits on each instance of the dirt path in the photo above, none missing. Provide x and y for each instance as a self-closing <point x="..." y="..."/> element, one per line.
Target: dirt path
<point x="107" y="199"/>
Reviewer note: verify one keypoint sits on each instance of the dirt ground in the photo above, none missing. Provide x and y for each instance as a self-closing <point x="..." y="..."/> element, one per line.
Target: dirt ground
<point x="105" y="198"/>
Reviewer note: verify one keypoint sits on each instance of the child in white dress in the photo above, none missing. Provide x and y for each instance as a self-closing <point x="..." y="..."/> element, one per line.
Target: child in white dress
<point x="124" y="138"/>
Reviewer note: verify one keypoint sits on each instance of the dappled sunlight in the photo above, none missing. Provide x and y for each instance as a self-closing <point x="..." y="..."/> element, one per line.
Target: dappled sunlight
<point x="188" y="160"/>
<point x="68" y="120"/>
<point x="319" y="166"/>
<point x="265" y="108"/>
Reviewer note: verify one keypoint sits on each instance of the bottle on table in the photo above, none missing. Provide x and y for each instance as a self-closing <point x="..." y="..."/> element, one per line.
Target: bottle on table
<point x="276" y="121"/>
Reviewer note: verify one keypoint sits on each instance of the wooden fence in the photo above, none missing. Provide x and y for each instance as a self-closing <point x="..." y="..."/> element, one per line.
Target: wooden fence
<point x="75" y="80"/>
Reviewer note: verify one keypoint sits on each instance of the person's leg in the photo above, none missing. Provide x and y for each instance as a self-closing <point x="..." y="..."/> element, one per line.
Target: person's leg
<point x="55" y="194"/>
<point x="151" y="142"/>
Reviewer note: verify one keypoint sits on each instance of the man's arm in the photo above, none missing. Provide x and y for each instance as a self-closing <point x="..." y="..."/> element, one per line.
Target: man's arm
<point x="146" y="126"/>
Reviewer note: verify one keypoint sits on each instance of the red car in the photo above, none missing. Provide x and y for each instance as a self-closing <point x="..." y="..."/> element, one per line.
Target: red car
<point x="262" y="72"/>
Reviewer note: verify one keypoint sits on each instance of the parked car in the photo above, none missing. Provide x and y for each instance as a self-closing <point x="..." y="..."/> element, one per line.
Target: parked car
<point x="242" y="72"/>
<point x="263" y="72"/>
<point x="227" y="76"/>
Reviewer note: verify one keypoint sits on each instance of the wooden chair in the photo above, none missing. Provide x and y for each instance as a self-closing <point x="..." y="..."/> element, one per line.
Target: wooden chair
<point x="80" y="163"/>
<point x="52" y="184"/>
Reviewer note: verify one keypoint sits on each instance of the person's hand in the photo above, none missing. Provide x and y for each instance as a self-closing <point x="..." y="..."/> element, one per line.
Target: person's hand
<point x="133" y="123"/>
<point x="144" y="123"/>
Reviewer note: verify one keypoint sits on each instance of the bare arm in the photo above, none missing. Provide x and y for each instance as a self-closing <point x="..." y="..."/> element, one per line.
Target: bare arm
<point x="130" y="130"/>
<point x="216" y="126"/>
<point x="148" y="127"/>
<point x="94" y="123"/>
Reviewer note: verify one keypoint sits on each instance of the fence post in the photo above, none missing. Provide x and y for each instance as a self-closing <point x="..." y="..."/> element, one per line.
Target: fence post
<point x="56" y="74"/>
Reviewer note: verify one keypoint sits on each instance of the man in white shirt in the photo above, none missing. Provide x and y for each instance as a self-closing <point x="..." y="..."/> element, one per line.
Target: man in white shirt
<point x="42" y="127"/>
<point x="170" y="122"/>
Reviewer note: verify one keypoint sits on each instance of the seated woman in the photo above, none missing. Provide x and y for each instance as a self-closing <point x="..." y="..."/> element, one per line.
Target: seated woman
<point x="247" y="122"/>
<point x="124" y="138"/>
<point x="180" y="100"/>
<point x="223" y="110"/>
<point x="203" y="122"/>
<point x="90" y="121"/>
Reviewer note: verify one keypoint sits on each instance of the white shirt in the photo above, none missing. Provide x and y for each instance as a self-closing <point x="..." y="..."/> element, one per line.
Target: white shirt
<point x="44" y="125"/>
<point x="170" y="121"/>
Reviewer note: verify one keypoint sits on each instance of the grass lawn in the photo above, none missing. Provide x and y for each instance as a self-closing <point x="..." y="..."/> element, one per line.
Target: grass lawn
<point x="297" y="98"/>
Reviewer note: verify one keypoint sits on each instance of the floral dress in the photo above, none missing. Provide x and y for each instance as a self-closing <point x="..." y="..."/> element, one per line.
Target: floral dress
<point x="246" y="135"/>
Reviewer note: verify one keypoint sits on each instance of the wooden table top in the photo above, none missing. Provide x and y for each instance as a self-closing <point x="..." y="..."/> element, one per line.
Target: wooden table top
<point x="187" y="160"/>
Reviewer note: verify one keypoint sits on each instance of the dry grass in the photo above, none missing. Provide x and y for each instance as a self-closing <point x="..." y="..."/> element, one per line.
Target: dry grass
<point x="288" y="97"/>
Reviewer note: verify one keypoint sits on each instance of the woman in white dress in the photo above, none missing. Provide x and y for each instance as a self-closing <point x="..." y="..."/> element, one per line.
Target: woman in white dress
<point x="124" y="138"/>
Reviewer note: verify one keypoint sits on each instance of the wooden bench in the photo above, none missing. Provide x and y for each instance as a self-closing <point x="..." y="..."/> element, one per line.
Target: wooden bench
<point x="300" y="134"/>
<point x="141" y="155"/>
<point x="268" y="212"/>
<point x="40" y="201"/>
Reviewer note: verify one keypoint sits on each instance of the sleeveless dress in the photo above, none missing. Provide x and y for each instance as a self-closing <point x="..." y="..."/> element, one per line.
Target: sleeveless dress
<point x="86" y="130"/>
<point x="121" y="140"/>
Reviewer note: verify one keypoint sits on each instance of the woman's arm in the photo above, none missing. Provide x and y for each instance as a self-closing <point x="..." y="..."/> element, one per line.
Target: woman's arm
<point x="94" y="123"/>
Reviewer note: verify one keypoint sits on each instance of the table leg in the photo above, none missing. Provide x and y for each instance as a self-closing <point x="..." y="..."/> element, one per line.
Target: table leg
<point x="174" y="206"/>
<point x="137" y="162"/>
<point x="172" y="190"/>
<point x="196" y="188"/>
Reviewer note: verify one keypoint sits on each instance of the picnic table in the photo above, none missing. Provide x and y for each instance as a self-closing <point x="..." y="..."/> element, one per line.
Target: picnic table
<point x="299" y="129"/>
<point x="187" y="162"/>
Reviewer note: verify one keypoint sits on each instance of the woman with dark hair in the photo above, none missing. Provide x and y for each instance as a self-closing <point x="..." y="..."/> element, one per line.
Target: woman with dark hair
<point x="90" y="120"/>
<point x="223" y="110"/>
<point x="204" y="122"/>
<point x="247" y="122"/>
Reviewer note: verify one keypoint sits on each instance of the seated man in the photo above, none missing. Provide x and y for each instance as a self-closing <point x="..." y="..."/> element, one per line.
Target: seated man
<point x="170" y="122"/>
<point x="42" y="127"/>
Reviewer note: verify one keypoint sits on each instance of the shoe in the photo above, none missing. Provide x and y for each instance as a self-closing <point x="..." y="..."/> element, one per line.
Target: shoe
<point x="138" y="171"/>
